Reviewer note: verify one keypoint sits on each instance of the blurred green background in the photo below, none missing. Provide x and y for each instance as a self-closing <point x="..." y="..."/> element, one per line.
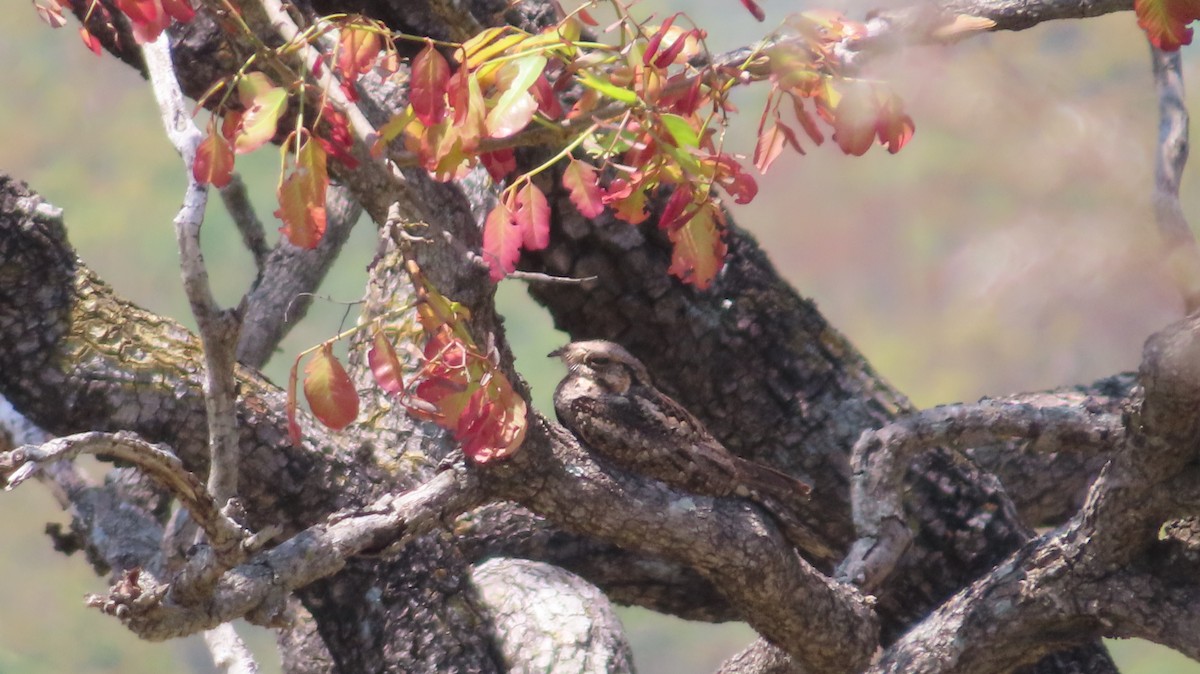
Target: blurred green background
<point x="1010" y="247"/>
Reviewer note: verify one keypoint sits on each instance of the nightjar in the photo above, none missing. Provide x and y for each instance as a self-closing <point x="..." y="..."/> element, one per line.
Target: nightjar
<point x="610" y="403"/>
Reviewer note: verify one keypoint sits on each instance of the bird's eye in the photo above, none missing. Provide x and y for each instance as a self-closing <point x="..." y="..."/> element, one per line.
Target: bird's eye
<point x="600" y="361"/>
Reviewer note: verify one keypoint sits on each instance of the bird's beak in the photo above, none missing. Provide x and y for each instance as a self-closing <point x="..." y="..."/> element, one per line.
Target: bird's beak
<point x="557" y="353"/>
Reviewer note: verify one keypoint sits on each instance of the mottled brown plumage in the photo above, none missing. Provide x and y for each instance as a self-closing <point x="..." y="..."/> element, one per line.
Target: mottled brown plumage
<point x="610" y="403"/>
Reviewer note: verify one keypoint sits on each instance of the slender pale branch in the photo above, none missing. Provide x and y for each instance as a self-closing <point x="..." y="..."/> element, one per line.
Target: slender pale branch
<point x="1183" y="253"/>
<point x="218" y="329"/>
<point x="229" y="652"/>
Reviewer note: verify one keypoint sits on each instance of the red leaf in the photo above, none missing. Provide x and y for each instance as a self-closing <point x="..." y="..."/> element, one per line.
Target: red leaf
<point x="656" y="40"/>
<point x="768" y="147"/>
<point x="329" y="391"/>
<point x="499" y="163"/>
<point x="89" y="40"/>
<point x="583" y="15"/>
<point x="302" y="198"/>
<point x="854" y="120"/>
<point x="893" y="127"/>
<point x="214" y="159"/>
<point x="492" y="424"/>
<point x="180" y="10"/>
<point x="671" y="53"/>
<point x="632" y="208"/>
<point x="427" y="92"/>
<point x="532" y="215"/>
<point x="672" y="212"/>
<point x="754" y="9"/>
<point x="580" y="180"/>
<point x="501" y="242"/>
<point x="357" y="48"/>
<point x="806" y="120"/>
<point x="385" y="366"/>
<point x="339" y="143"/>
<point x="739" y="184"/>
<point x="547" y="101"/>
<point x="699" y="251"/>
<point x="1165" y="21"/>
<point x="147" y="18"/>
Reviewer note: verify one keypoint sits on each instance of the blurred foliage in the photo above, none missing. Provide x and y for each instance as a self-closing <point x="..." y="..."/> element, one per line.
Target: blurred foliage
<point x="1010" y="246"/>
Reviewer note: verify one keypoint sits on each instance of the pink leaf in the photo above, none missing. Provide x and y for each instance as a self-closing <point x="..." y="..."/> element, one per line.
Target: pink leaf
<point x="427" y="93"/>
<point x="501" y="242"/>
<point x="385" y="366"/>
<point x="580" y="180"/>
<point x="532" y="215"/>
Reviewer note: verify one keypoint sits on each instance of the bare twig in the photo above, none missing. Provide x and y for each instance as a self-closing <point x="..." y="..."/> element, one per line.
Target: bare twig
<point x="538" y="277"/>
<point x="218" y="329"/>
<point x="1183" y="254"/>
<point x="258" y="589"/>
<point x="229" y="652"/>
<point x="237" y="202"/>
<point x="158" y="462"/>
<point x="881" y="457"/>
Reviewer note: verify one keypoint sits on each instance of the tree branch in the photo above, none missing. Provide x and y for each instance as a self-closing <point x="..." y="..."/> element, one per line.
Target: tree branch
<point x="257" y="590"/>
<point x="880" y="459"/>
<point x="1183" y="253"/>
<point x="237" y="203"/>
<point x="283" y="293"/>
<point x="218" y="329"/>
<point x="1048" y="487"/>
<point x="574" y="628"/>
<point x="225" y="535"/>
<point x="229" y="652"/>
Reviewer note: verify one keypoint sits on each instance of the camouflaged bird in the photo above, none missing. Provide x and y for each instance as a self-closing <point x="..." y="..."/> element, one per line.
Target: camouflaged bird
<point x="610" y="403"/>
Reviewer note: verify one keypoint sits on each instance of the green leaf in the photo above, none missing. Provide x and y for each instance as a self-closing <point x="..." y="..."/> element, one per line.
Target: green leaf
<point x="609" y="89"/>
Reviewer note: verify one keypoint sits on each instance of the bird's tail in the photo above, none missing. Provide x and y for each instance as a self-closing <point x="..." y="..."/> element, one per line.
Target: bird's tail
<point x="787" y="500"/>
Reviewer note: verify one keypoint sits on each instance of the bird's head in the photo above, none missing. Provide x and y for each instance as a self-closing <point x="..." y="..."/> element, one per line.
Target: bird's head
<point x="607" y="364"/>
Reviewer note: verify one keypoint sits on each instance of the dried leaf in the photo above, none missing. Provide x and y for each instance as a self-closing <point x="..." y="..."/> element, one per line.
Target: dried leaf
<point x="51" y="12"/>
